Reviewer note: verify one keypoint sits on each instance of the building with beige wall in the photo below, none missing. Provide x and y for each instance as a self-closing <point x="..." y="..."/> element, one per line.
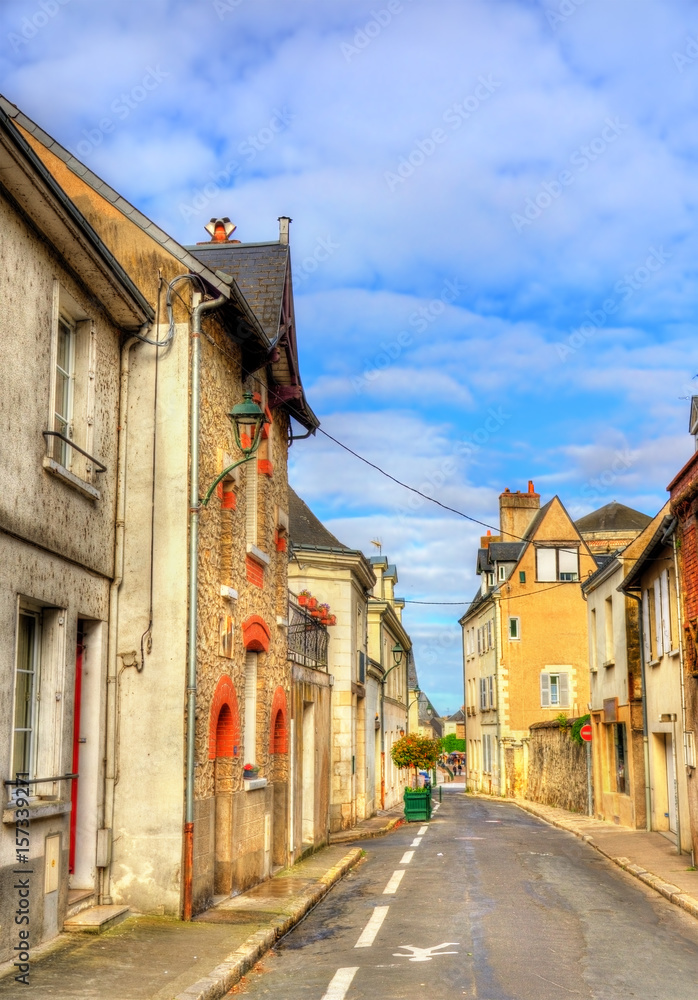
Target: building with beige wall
<point x="343" y="578"/>
<point x="616" y="683"/>
<point x="59" y="415"/>
<point x="524" y="637"/>
<point x="653" y="578"/>
<point x="389" y="646"/>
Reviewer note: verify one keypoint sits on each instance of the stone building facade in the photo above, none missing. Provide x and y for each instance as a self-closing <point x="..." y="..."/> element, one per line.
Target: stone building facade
<point x="243" y="676"/>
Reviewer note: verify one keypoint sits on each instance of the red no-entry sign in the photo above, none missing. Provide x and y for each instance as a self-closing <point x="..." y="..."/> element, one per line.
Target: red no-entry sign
<point x="585" y="733"/>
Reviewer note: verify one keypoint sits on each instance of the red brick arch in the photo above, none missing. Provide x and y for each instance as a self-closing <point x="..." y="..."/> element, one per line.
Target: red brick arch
<point x="224" y="721"/>
<point x="256" y="634"/>
<point x="278" y="737"/>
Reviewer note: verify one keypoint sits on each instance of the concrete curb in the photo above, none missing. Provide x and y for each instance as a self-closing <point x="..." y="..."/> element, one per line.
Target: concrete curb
<point x="228" y="973"/>
<point x="666" y="889"/>
<point x="352" y="835"/>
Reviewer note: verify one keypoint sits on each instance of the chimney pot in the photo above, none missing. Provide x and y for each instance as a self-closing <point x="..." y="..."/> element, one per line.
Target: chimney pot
<point x="221" y="230"/>
<point x="530" y="486"/>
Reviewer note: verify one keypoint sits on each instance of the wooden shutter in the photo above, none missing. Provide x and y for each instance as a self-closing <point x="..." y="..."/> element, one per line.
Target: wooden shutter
<point x="545" y="690"/>
<point x="490" y="691"/>
<point x="666" y="614"/>
<point x="564" y="688"/>
<point x="658" y="635"/>
<point x="483" y="694"/>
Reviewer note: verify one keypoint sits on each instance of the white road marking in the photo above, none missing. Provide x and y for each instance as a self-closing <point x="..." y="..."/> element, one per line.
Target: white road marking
<point x="435" y="807"/>
<point x="423" y="830"/>
<point x="395" y="880"/>
<point x="407" y="857"/>
<point x="341" y="981"/>
<point x="416" y="842"/>
<point x="368" y="934"/>
<point x="425" y="954"/>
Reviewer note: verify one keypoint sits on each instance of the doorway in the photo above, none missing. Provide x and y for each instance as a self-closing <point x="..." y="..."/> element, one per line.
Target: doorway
<point x="308" y="790"/>
<point x="670" y="780"/>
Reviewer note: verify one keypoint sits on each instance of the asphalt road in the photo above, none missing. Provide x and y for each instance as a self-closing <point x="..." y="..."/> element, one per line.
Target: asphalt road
<point x="489" y="903"/>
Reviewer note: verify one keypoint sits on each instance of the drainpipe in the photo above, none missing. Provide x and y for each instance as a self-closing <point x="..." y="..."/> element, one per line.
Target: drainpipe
<point x="645" y="725"/>
<point x="197" y="313"/>
<point x="111" y="707"/>
<point x="671" y="530"/>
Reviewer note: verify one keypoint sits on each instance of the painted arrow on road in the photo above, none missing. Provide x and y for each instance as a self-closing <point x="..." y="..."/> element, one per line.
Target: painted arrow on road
<point x="426" y="954"/>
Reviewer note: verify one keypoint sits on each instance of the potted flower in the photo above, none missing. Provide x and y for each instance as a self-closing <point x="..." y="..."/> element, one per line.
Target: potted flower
<point x="421" y="753"/>
<point x="331" y="620"/>
<point x="250" y="771"/>
<point x="304" y="597"/>
<point x="324" y="610"/>
<point x="312" y="603"/>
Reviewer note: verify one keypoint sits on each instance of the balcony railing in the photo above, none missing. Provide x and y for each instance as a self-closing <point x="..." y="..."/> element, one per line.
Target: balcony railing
<point x="307" y="639"/>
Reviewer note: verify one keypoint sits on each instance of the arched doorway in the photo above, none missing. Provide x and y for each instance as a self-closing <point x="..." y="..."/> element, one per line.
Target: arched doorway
<point x="224" y="742"/>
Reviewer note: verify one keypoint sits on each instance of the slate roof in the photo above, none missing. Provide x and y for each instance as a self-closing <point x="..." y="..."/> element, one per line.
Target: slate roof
<point x="305" y="530"/>
<point x="412" y="679"/>
<point x="613" y="517"/>
<point x="458" y="716"/>
<point x="602" y="561"/>
<point x="259" y="270"/>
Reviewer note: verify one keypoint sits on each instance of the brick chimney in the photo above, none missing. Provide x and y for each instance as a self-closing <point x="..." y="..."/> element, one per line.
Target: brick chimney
<point x="516" y="511"/>
<point x="284" y="223"/>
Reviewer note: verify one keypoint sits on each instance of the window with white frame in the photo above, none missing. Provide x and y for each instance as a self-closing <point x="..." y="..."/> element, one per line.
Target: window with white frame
<point x="554" y="688"/>
<point x="609" y="644"/>
<point x="656" y="619"/>
<point x="553" y="563"/>
<point x="514" y="628"/>
<point x="490" y="691"/>
<point x="487" y="742"/>
<point x="26" y="692"/>
<point x="483" y="694"/>
<point x="502" y="573"/>
<point x="72" y="402"/>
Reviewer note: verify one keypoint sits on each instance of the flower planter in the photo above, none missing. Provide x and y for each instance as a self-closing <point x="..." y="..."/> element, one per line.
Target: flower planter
<point x="303" y="600"/>
<point x="417" y="805"/>
<point x="312" y="603"/>
<point x="249" y="775"/>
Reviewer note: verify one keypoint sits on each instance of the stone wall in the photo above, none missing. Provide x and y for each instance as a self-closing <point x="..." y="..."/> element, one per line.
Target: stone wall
<point x="557" y="768"/>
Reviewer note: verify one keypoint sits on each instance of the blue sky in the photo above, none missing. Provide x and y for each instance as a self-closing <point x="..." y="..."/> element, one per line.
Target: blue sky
<point x="494" y="237"/>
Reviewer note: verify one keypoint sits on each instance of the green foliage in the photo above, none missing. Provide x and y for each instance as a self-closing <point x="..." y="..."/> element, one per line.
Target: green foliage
<point x="561" y="720"/>
<point x="415" y="751"/>
<point x="451" y="744"/>
<point x="418" y="791"/>
<point x="576" y="726"/>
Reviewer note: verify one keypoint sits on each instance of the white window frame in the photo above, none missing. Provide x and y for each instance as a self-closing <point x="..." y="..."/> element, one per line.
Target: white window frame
<point x="502" y="573"/>
<point x="563" y="684"/>
<point x="27" y="767"/>
<point x="517" y="628"/>
<point x="558" y="576"/>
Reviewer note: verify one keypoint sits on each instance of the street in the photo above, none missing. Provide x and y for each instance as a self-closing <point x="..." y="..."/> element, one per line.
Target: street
<point x="484" y="901"/>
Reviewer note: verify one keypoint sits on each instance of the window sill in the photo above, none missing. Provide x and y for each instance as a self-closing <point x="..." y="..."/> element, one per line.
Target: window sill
<point x="608" y="663"/>
<point x="37" y="810"/>
<point x="70" y="479"/>
<point x="673" y="652"/>
<point x="259" y="557"/>
<point x="654" y="663"/>
<point x="250" y="784"/>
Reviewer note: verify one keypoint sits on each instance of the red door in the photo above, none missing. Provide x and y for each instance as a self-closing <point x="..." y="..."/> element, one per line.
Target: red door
<point x="76" y="754"/>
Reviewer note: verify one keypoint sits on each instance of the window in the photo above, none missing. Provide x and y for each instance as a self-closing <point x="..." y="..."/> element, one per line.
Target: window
<point x="657" y="618"/>
<point x="26" y="689"/>
<point x="64" y="390"/>
<point x="514" y="628"/>
<point x="72" y="399"/>
<point x="621" y="753"/>
<point x="554" y="689"/>
<point x="487" y="754"/>
<point x="522" y="576"/>
<point x="490" y="579"/>
<point x="490" y="691"/>
<point x="689" y="748"/>
<point x="502" y="571"/>
<point x="557" y="564"/>
<point x="483" y="694"/>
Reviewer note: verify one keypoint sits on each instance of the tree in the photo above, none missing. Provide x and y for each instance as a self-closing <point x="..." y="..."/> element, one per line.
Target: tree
<point x="451" y="744"/>
<point x="415" y="751"/>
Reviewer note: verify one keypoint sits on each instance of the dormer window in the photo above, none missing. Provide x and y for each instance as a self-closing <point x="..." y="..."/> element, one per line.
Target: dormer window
<point x="490" y="579"/>
<point x="502" y="571"/>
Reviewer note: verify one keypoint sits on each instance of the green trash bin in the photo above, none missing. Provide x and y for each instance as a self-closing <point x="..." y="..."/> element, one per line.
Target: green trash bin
<point x="417" y="804"/>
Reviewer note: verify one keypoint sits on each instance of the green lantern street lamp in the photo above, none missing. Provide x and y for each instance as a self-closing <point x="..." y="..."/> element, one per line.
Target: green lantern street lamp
<point x="248" y="420"/>
<point x="398" y="653"/>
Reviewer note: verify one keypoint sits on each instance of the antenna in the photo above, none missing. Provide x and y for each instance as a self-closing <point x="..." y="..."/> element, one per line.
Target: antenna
<point x="378" y="542"/>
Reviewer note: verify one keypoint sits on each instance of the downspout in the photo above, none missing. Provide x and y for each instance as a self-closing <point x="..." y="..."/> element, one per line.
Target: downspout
<point x="671" y="530"/>
<point x="194" y="508"/>
<point x="498" y="730"/>
<point x="112" y="694"/>
<point x="645" y="725"/>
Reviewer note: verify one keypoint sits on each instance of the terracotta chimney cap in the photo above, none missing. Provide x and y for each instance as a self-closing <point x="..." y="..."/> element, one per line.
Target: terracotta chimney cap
<point x="530" y="486"/>
<point x="221" y="230"/>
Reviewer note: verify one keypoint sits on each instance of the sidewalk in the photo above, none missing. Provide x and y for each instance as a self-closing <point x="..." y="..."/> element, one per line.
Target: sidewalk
<point x="158" y="958"/>
<point x="384" y="821"/>
<point x="647" y="856"/>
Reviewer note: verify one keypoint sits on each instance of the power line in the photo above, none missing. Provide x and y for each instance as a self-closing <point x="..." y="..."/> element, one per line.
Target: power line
<point x="470" y="604"/>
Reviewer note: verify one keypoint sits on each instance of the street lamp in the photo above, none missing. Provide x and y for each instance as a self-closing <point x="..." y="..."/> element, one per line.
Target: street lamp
<point x="248" y="421"/>
<point x="398" y="653"/>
